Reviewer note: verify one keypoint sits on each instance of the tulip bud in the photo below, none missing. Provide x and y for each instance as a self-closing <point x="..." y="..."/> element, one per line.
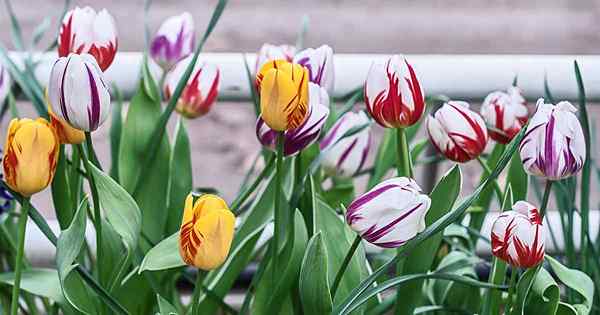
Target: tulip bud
<point x="505" y="114"/>
<point x="390" y="214"/>
<point x="457" y="132"/>
<point x="201" y="90"/>
<point x="295" y="140"/>
<point x="4" y="83"/>
<point x="393" y="94"/>
<point x="283" y="88"/>
<point x="78" y="93"/>
<point x="85" y="31"/>
<point x="31" y="155"/>
<point x="319" y="63"/>
<point x="270" y="52"/>
<point x="174" y="40"/>
<point x="518" y="236"/>
<point x="206" y="232"/>
<point x="345" y="156"/>
<point x="554" y="145"/>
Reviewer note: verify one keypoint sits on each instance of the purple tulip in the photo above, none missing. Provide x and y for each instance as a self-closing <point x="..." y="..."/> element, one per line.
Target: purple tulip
<point x="174" y="40"/>
<point x="390" y="214"/>
<point x="319" y="63"/>
<point x="295" y="140"/>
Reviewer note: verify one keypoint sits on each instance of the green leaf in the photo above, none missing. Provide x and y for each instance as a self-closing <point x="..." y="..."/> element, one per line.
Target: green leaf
<point x="523" y="287"/>
<point x="40" y="30"/>
<point x="151" y="194"/>
<point x="181" y="176"/>
<point x="517" y="178"/>
<point x="577" y="281"/>
<point x="165" y="307"/>
<point x="314" y="278"/>
<point x="116" y="129"/>
<point x="165" y="255"/>
<point x="443" y="196"/>
<point x="342" y="192"/>
<point x="544" y="295"/>
<point x="61" y="193"/>
<point x="252" y="87"/>
<point x="68" y="248"/>
<point x="38" y="281"/>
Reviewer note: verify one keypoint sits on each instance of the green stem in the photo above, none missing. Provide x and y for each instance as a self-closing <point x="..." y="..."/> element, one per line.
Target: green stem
<point x="97" y="217"/>
<point x="344" y="266"/>
<point x="545" y="199"/>
<point x="496" y="186"/>
<point x="511" y="289"/>
<point x="197" y="291"/>
<point x="239" y="201"/>
<point x="90" y="149"/>
<point x="404" y="163"/>
<point x="277" y="211"/>
<point x="19" y="260"/>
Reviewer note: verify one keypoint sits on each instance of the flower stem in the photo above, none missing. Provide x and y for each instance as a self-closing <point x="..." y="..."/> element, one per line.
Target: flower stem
<point x="277" y="211"/>
<point x="404" y="163"/>
<point x="97" y="217"/>
<point x="197" y="290"/>
<point x="22" y="225"/>
<point x="511" y="289"/>
<point x="488" y="172"/>
<point x="344" y="266"/>
<point x="247" y="191"/>
<point x="90" y="149"/>
<point x="545" y="199"/>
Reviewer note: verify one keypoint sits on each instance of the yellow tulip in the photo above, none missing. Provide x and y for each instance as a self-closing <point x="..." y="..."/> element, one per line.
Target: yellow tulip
<point x="206" y="232"/>
<point x="283" y="90"/>
<point x="31" y="155"/>
<point x="66" y="133"/>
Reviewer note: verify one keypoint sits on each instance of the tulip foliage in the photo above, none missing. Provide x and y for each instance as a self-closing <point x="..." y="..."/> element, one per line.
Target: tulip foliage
<point x="342" y="212"/>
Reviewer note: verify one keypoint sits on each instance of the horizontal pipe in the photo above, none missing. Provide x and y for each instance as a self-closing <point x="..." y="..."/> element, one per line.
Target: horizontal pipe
<point x="41" y="252"/>
<point x="457" y="76"/>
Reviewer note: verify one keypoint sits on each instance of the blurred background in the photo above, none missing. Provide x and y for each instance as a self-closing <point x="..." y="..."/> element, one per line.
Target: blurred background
<point x="223" y="142"/>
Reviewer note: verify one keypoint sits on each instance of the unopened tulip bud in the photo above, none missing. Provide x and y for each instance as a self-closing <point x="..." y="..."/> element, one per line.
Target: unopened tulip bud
<point x="174" y="41"/>
<point x="457" y="132"/>
<point x="393" y="94"/>
<point x="31" y="154"/>
<point x="518" y="236"/>
<point x="78" y="93"/>
<point x="554" y="145"/>
<point x="85" y="31"/>
<point x="319" y="63"/>
<point x="505" y="114"/>
<point x="201" y="90"/>
<point x="206" y="232"/>
<point x="390" y="214"/>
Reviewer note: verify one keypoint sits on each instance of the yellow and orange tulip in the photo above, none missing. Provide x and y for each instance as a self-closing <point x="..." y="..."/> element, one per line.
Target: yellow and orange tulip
<point x="64" y="131"/>
<point x="31" y="155"/>
<point x="283" y="90"/>
<point x="206" y="232"/>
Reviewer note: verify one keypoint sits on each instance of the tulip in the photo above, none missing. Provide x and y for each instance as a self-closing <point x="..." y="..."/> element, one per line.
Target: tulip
<point x="64" y="131"/>
<point x="78" y="93"/>
<point x="4" y="83"/>
<point x="31" y="155"/>
<point x="270" y="52"/>
<point x="457" y="132"/>
<point x="554" y="145"/>
<point x="390" y="214"/>
<point x="174" y="40"/>
<point x="505" y="114"/>
<point x="85" y="31"/>
<point x="518" y="236"/>
<point x="345" y="156"/>
<point x="201" y="90"/>
<point x="283" y="88"/>
<point x="296" y="140"/>
<point x="393" y="94"/>
<point x="206" y="232"/>
<point x="319" y="63"/>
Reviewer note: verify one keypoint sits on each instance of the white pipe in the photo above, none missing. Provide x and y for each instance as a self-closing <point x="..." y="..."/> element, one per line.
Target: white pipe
<point x="457" y="76"/>
<point x="41" y="252"/>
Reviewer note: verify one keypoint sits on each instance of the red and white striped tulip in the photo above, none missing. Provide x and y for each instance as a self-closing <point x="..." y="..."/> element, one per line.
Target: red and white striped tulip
<point x="457" y="132"/>
<point x="345" y="156"/>
<point x="296" y="140"/>
<point x="505" y="114"/>
<point x="393" y="94"/>
<point x="174" y="40"/>
<point x="270" y="52"/>
<point x="518" y="236"/>
<point x="201" y="90"/>
<point x="85" y="31"/>
<point x="78" y="93"/>
<point x="4" y="83"/>
<point x="554" y="145"/>
<point x="390" y="214"/>
<point x="319" y="63"/>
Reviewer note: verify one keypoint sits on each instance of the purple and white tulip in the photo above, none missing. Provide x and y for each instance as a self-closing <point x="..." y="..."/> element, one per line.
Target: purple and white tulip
<point x="270" y="52"/>
<point x="4" y="83"/>
<point x="174" y="40"/>
<point x="77" y="92"/>
<point x="553" y="146"/>
<point x="319" y="63"/>
<point x="296" y="140"/>
<point x="390" y="214"/>
<point x="345" y="156"/>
